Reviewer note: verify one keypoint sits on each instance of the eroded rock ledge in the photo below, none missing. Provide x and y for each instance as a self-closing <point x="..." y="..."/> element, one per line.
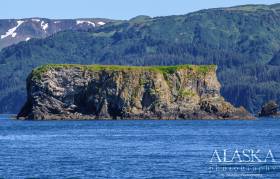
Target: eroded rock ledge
<point x="122" y="92"/>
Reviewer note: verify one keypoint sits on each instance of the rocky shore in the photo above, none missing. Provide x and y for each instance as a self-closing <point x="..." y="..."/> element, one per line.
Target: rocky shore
<point x="60" y="92"/>
<point x="270" y="109"/>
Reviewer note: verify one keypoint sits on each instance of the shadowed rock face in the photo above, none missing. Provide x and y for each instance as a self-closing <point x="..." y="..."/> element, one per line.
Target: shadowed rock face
<point x="270" y="109"/>
<point x="115" y="92"/>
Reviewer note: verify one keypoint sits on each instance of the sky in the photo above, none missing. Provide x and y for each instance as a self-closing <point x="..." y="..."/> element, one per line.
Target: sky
<point x="113" y="9"/>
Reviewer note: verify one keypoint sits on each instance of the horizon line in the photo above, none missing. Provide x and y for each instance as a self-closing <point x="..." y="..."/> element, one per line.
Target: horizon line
<point x="123" y="19"/>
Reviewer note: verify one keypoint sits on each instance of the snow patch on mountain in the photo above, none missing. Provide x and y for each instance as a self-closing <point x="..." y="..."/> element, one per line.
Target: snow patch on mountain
<point x="12" y="31"/>
<point x="85" y="22"/>
<point x="36" y="20"/>
<point x="101" y="23"/>
<point x="44" y="25"/>
<point x="14" y="34"/>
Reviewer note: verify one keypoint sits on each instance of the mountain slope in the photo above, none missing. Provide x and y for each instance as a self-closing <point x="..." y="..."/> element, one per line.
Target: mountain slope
<point x="240" y="40"/>
<point x="13" y="31"/>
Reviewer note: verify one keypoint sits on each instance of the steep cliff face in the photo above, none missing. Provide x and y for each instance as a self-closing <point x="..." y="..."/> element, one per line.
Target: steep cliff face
<point x="118" y="92"/>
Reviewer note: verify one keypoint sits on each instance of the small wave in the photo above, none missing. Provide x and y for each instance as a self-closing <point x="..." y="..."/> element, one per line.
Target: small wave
<point x="28" y="137"/>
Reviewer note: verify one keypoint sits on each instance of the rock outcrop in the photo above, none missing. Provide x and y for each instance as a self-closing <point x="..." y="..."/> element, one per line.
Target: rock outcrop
<point x="270" y="109"/>
<point x="121" y="92"/>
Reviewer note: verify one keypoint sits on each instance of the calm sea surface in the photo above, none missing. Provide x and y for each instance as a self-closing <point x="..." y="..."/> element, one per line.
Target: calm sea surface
<point x="135" y="149"/>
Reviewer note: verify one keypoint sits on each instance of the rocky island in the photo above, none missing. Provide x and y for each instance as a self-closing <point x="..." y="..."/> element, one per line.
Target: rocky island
<point x="58" y="92"/>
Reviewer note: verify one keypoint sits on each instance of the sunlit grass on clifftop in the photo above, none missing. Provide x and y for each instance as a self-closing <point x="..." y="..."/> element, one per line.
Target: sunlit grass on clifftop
<point x="199" y="69"/>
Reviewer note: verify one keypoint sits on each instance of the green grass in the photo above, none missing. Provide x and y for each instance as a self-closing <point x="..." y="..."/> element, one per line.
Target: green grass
<point x="186" y="93"/>
<point x="200" y="69"/>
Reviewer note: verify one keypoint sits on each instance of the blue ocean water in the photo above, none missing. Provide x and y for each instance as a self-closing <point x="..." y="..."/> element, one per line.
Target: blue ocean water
<point x="130" y="149"/>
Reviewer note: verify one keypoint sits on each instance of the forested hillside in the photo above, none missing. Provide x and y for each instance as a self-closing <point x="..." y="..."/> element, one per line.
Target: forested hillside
<point x="243" y="41"/>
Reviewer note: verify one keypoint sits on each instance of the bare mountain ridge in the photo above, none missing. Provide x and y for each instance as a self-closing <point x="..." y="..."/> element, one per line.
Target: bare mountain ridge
<point x="13" y="31"/>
